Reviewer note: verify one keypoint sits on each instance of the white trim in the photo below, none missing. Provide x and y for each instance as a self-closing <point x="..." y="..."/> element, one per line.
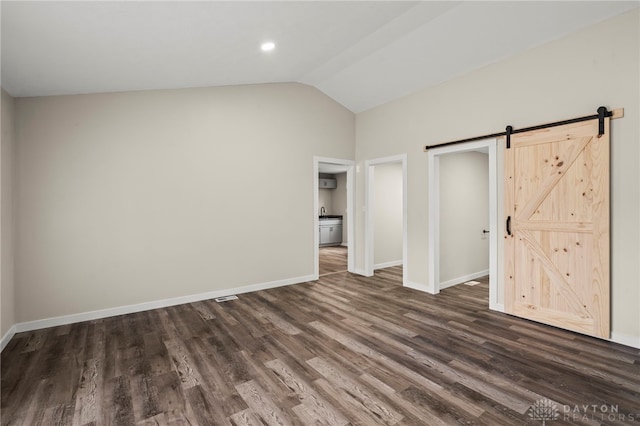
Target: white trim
<point x="498" y="307"/>
<point x="128" y="309"/>
<point x="362" y="272"/>
<point x="463" y="279"/>
<point x="387" y="264"/>
<point x="494" y="210"/>
<point x="316" y="220"/>
<point x="368" y="219"/>
<point x="416" y="286"/>
<point x="369" y="167"/>
<point x="433" y="240"/>
<point x="625" y="339"/>
<point x="7" y="337"/>
<point x="351" y="190"/>
<point x="433" y="286"/>
<point x="351" y="213"/>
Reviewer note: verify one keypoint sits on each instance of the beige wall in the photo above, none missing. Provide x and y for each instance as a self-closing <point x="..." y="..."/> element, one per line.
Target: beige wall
<point x="562" y="79"/>
<point x="325" y="197"/>
<point x="387" y="214"/>
<point x="325" y="200"/>
<point x="7" y="318"/>
<point x="132" y="197"/>
<point x="140" y="196"/>
<point x="464" y="213"/>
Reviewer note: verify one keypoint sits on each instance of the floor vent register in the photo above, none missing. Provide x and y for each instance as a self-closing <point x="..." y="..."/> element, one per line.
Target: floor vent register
<point x="225" y="298"/>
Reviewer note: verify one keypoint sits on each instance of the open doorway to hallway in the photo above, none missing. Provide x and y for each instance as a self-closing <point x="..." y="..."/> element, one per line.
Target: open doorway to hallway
<point x="386" y="214"/>
<point x="449" y="271"/>
<point x="333" y="215"/>
<point x="464" y="217"/>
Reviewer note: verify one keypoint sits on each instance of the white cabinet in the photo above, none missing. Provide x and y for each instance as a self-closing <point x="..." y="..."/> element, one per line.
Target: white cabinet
<point x="327" y="183"/>
<point x="335" y="235"/>
<point x="330" y="232"/>
<point x="325" y="234"/>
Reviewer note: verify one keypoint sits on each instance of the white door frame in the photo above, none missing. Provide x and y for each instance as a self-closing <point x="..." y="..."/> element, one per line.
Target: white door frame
<point x="369" y="212"/>
<point x="350" y="166"/>
<point x="434" y="215"/>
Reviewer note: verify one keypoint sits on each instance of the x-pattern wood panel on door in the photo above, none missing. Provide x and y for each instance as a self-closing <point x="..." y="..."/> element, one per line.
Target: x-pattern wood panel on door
<point x="557" y="208"/>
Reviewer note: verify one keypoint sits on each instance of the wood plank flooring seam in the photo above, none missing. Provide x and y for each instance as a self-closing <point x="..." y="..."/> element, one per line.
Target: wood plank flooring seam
<point x="345" y="350"/>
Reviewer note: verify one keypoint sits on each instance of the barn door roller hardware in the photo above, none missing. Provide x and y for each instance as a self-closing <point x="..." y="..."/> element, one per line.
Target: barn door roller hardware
<point x="602" y="113"/>
<point x="600" y="116"/>
<point x="508" y="133"/>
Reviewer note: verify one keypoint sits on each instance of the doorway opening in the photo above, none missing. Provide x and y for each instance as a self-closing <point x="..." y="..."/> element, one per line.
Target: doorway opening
<point x="440" y="275"/>
<point x="386" y="214"/>
<point x="333" y="206"/>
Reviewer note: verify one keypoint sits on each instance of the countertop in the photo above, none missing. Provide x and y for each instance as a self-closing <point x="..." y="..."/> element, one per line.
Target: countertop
<point x="330" y="216"/>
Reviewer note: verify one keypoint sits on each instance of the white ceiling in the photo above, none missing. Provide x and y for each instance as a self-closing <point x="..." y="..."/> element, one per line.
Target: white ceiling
<point x="361" y="53"/>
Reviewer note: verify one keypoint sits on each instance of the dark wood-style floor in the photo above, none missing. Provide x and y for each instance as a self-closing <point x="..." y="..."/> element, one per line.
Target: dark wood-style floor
<point x="343" y="350"/>
<point x="332" y="259"/>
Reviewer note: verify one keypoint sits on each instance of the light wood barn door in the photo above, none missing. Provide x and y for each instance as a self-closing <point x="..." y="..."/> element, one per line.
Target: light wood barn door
<point x="557" y="203"/>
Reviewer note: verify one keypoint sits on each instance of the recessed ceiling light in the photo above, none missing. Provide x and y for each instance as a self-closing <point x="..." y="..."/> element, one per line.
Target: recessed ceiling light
<point x="267" y="46"/>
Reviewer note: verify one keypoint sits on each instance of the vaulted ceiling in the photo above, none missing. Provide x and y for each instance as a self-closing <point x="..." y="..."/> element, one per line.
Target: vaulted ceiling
<point x="360" y="53"/>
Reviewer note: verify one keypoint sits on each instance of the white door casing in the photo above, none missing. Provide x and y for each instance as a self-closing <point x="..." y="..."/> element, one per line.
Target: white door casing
<point x="433" y="286"/>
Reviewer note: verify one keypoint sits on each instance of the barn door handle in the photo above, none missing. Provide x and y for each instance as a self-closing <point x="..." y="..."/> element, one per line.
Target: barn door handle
<point x="508" y="225"/>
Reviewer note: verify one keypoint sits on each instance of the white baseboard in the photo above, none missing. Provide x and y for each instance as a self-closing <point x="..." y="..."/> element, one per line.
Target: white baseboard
<point x="498" y="307"/>
<point x="418" y="286"/>
<point x="7" y="337"/>
<point x="362" y="272"/>
<point x="625" y="339"/>
<point x="387" y="264"/>
<point x="128" y="309"/>
<point x="343" y="244"/>
<point x="463" y="279"/>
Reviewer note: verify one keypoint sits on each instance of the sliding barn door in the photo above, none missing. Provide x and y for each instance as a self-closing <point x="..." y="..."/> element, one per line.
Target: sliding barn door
<point x="557" y="227"/>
